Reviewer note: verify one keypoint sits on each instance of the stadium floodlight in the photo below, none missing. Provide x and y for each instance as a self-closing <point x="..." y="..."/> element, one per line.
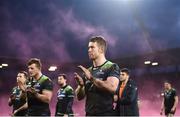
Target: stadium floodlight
<point x="147" y="62"/>
<point x="4" y="65"/>
<point x="154" y="63"/>
<point x="52" y="68"/>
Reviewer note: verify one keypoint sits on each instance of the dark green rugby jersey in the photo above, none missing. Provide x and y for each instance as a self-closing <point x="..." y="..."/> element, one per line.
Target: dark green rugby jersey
<point x="98" y="101"/>
<point x="34" y="104"/>
<point x="169" y="98"/>
<point x="20" y="99"/>
<point x="65" y="97"/>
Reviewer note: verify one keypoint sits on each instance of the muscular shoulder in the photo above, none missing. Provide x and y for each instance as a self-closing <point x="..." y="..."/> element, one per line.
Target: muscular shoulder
<point x="173" y="91"/>
<point x="109" y="65"/>
<point x="112" y="69"/>
<point x="69" y="90"/>
<point x="46" y="83"/>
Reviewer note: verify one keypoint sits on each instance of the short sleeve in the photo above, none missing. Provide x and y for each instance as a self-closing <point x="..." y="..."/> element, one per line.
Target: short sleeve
<point x="174" y="93"/>
<point x="114" y="71"/>
<point x="48" y="85"/>
<point x="70" y="91"/>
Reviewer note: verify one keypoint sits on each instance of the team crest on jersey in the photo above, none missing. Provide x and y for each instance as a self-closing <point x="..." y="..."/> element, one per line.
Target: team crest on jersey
<point x="168" y="94"/>
<point x="100" y="72"/>
<point x="61" y="94"/>
<point x="37" y="86"/>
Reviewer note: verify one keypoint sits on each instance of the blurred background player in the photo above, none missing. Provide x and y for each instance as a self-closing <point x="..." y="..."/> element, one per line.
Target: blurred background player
<point x="65" y="97"/>
<point x="18" y="96"/>
<point x="170" y="100"/>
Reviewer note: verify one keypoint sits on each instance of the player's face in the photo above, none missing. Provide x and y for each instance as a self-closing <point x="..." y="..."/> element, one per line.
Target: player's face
<point x="167" y="85"/>
<point x="61" y="80"/>
<point x="21" y="77"/>
<point x="123" y="76"/>
<point x="33" y="70"/>
<point x="93" y="50"/>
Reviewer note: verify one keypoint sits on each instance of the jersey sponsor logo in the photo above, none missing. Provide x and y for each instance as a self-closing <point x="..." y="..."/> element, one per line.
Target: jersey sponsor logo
<point x="37" y="87"/>
<point x="167" y="94"/>
<point x="100" y="72"/>
<point x="17" y="93"/>
<point x="61" y="96"/>
<point x="100" y="78"/>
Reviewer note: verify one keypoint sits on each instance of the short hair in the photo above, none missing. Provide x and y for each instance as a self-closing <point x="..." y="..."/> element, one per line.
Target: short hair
<point x="25" y="74"/>
<point x="100" y="41"/>
<point x="35" y="61"/>
<point x="167" y="81"/>
<point x="126" y="70"/>
<point x="63" y="75"/>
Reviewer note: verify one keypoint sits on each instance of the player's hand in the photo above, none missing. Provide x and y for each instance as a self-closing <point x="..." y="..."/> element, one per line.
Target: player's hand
<point x="13" y="97"/>
<point x="21" y="84"/>
<point x="172" y="110"/>
<point x="79" y="79"/>
<point x="86" y="72"/>
<point x="161" y="112"/>
<point x="32" y="91"/>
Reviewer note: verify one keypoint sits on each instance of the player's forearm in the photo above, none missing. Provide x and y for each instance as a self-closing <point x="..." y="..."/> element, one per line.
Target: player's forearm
<point x="175" y="103"/>
<point x="162" y="105"/>
<point x="10" y="102"/>
<point x="25" y="106"/>
<point x="104" y="85"/>
<point x="43" y="97"/>
<point x="80" y="92"/>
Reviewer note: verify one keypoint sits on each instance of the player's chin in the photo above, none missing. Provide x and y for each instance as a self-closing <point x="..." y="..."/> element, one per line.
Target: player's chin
<point x="31" y="75"/>
<point x="91" y="57"/>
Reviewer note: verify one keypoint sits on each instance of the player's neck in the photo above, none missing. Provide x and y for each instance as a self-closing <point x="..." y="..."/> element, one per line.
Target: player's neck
<point x="168" y="89"/>
<point x="125" y="81"/>
<point x="63" y="85"/>
<point x="99" y="61"/>
<point x="38" y="76"/>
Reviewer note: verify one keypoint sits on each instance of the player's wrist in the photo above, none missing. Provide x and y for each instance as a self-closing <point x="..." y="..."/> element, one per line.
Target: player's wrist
<point x="92" y="79"/>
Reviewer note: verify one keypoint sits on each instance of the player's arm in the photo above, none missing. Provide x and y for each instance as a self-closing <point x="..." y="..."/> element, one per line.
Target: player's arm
<point x="109" y="85"/>
<point x="46" y="92"/>
<point x="45" y="96"/>
<point x="11" y="99"/>
<point x="162" y="107"/>
<point x="175" y="103"/>
<point x="10" y="102"/>
<point x="25" y="106"/>
<point x="80" y="90"/>
<point x="70" y="96"/>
